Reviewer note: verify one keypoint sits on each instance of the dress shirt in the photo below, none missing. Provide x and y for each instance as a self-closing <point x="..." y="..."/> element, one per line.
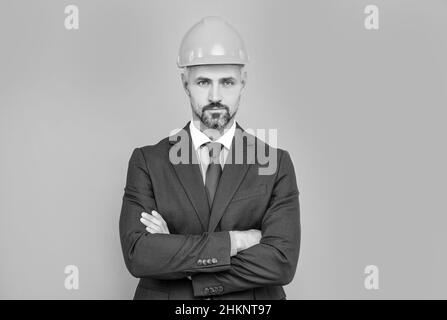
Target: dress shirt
<point x="198" y="139"/>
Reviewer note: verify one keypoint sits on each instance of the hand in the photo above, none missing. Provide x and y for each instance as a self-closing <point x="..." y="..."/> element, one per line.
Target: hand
<point x="154" y="222"/>
<point x="245" y="239"/>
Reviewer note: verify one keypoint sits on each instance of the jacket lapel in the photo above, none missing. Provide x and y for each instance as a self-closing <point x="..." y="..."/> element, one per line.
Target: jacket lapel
<point x="190" y="176"/>
<point x="232" y="175"/>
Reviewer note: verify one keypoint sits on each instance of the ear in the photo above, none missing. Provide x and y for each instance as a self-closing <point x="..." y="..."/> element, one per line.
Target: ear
<point x="185" y="83"/>
<point x="243" y="79"/>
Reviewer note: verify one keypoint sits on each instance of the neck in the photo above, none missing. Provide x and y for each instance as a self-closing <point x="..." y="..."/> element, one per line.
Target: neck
<point x="213" y="134"/>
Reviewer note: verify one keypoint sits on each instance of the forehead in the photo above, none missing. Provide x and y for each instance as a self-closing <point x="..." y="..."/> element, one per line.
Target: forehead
<point x="215" y="71"/>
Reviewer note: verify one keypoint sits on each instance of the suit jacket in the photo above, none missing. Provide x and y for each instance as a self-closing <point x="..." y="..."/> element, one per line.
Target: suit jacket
<point x="199" y="243"/>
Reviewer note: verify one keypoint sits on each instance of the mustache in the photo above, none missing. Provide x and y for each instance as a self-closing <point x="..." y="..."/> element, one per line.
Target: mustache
<point x="215" y="105"/>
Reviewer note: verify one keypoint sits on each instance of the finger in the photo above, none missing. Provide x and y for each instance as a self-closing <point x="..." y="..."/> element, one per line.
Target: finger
<point x="163" y="230"/>
<point x="155" y="227"/>
<point x="151" y="218"/>
<point x="148" y="223"/>
<point x="151" y="230"/>
<point x="146" y="215"/>
<point x="157" y="215"/>
<point x="145" y="222"/>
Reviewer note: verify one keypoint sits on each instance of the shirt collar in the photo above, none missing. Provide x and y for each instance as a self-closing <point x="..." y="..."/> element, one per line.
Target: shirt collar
<point x="199" y="138"/>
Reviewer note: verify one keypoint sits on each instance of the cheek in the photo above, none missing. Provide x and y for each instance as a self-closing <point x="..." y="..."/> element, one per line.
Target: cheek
<point x="198" y="97"/>
<point x="232" y="98"/>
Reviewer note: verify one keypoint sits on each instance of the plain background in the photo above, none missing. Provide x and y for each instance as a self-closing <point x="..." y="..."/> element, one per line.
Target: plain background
<point x="362" y="113"/>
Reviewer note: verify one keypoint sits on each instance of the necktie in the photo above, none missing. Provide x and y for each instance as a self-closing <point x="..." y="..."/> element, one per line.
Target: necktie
<point x="213" y="171"/>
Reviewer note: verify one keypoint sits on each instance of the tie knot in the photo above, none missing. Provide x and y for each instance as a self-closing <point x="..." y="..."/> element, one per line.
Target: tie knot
<point x="214" y="149"/>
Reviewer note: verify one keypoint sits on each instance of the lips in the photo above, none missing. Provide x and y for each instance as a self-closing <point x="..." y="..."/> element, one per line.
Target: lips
<point x="215" y="108"/>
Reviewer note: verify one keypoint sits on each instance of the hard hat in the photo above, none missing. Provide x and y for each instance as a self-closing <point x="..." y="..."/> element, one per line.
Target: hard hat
<point x="212" y="41"/>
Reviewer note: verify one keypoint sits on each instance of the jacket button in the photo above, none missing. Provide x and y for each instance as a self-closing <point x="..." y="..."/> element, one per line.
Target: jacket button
<point x="209" y="261"/>
<point x="212" y="290"/>
<point x="214" y="260"/>
<point x="199" y="262"/>
<point x="220" y="289"/>
<point x="204" y="262"/>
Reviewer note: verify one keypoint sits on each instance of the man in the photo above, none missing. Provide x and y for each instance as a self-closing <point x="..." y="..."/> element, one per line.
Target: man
<point x="212" y="224"/>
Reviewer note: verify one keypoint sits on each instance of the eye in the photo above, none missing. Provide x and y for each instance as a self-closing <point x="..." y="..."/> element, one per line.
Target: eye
<point x="228" y="83"/>
<point x="202" y="83"/>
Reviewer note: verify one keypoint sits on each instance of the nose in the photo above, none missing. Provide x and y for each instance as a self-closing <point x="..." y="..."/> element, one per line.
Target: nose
<point x="214" y="94"/>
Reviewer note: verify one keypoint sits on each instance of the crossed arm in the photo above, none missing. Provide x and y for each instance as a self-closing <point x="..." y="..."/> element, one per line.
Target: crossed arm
<point x="239" y="240"/>
<point x="244" y="259"/>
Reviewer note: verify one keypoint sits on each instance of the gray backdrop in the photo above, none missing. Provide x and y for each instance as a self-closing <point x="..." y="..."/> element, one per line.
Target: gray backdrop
<point x="362" y="113"/>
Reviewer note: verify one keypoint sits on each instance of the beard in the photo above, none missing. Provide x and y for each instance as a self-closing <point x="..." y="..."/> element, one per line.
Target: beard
<point x="215" y="119"/>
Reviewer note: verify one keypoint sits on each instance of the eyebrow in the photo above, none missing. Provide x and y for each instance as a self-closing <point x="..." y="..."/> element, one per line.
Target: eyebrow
<point x="223" y="79"/>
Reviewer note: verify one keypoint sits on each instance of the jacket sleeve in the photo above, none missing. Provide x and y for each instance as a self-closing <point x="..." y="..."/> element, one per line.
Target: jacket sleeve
<point x="163" y="256"/>
<point x="273" y="261"/>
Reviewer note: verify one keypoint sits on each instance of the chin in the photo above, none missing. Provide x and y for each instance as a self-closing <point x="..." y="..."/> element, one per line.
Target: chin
<point x="213" y="125"/>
